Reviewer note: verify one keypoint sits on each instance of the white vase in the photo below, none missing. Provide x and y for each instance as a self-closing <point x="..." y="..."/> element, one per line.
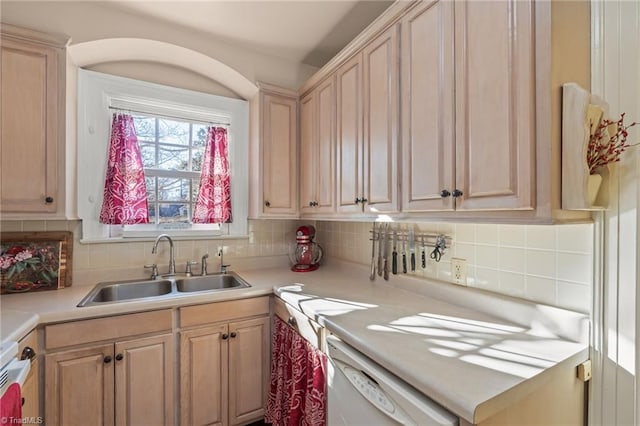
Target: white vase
<point x="593" y="186"/>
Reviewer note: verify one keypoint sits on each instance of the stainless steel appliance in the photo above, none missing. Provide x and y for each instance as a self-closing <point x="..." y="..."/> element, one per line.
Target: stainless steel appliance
<point x="361" y="392"/>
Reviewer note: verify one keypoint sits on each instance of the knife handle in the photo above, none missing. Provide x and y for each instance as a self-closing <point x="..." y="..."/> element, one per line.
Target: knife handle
<point x="424" y="259"/>
<point x="413" y="261"/>
<point x="404" y="263"/>
<point x="386" y="270"/>
<point x="394" y="263"/>
<point x="379" y="264"/>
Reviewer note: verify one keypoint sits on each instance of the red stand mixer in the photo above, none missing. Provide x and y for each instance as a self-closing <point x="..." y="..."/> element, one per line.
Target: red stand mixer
<point x="306" y="254"/>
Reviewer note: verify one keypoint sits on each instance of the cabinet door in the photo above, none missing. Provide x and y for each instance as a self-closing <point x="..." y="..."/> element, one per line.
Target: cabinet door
<point x="144" y="381"/>
<point x="79" y="387"/>
<point x="248" y="369"/>
<point x="28" y="127"/>
<point x="204" y="376"/>
<point x="349" y="135"/>
<point x="428" y="137"/>
<point x="279" y="155"/>
<point x="326" y="141"/>
<point x="380" y="135"/>
<point x="495" y="105"/>
<point x="308" y="152"/>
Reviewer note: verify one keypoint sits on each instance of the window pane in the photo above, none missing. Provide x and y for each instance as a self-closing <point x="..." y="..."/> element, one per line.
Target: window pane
<point x="173" y="212"/>
<point x="151" y="188"/>
<point x="173" y="189"/>
<point x="170" y="131"/>
<point x="152" y="212"/>
<point x="195" y="186"/>
<point x="148" y="153"/>
<point x="196" y="160"/>
<point x="173" y="158"/>
<point x="145" y="127"/>
<point x="199" y="135"/>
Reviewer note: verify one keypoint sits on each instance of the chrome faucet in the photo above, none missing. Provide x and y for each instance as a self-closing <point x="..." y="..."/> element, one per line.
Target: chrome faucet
<point x="223" y="267"/>
<point x="203" y="267"/>
<point x="172" y="261"/>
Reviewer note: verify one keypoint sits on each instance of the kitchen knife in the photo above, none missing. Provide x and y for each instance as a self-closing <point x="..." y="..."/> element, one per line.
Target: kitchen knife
<point x="394" y="255"/>
<point x="380" y="250"/>
<point x="424" y="256"/>
<point x="412" y="249"/>
<point x="372" y="276"/>
<point x="404" y="257"/>
<point x="386" y="252"/>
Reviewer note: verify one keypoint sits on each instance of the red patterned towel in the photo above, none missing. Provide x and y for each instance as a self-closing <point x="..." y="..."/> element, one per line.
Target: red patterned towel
<point x="11" y="405"/>
<point x="297" y="396"/>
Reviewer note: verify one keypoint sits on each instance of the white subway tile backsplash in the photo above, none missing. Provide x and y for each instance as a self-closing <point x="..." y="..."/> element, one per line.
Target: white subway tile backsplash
<point x="574" y="238"/>
<point x="511" y="259"/>
<point x="575" y="267"/>
<point x="541" y="236"/>
<point x="487" y="256"/>
<point x="465" y="233"/>
<point x="512" y="284"/>
<point x="512" y="236"/>
<point x="574" y="296"/>
<point x="488" y="279"/>
<point x="541" y="262"/>
<point x="540" y="289"/>
<point x="487" y="234"/>
<point x="466" y="251"/>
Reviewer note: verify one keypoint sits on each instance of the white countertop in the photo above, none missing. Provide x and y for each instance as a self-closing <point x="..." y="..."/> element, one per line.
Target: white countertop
<point x="471" y="351"/>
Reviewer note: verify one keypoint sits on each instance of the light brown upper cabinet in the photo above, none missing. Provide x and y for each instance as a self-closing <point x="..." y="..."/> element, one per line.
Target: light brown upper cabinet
<point x="273" y="175"/>
<point x="317" y="149"/>
<point x="367" y="128"/>
<point x="484" y="158"/>
<point x="32" y="123"/>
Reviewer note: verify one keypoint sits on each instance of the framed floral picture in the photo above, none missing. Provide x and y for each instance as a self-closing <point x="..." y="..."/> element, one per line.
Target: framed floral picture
<point x="33" y="261"/>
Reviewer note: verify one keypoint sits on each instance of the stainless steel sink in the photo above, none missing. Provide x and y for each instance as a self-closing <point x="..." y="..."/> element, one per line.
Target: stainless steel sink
<point x="123" y="291"/>
<point x="210" y="282"/>
<point x="126" y="290"/>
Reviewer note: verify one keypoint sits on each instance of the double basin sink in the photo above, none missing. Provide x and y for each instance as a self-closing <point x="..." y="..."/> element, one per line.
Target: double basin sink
<point x="161" y="288"/>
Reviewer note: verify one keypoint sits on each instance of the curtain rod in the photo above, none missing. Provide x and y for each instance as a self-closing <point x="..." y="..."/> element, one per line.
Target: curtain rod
<point x="217" y="123"/>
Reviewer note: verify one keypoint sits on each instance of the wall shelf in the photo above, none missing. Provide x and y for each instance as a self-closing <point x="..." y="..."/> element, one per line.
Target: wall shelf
<point x="577" y="104"/>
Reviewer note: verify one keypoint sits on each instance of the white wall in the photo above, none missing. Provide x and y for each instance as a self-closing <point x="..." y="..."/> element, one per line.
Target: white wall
<point x="616" y="78"/>
<point x="89" y="20"/>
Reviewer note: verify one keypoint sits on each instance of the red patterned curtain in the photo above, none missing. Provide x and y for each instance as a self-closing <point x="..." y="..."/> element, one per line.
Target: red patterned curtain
<point x="125" y="191"/>
<point x="297" y="395"/>
<point x="213" y="204"/>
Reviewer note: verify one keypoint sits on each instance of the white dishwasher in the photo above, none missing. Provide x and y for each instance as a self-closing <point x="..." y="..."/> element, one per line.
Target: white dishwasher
<point x="363" y="393"/>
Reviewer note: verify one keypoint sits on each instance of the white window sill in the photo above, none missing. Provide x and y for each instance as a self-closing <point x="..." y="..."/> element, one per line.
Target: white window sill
<point x="199" y="236"/>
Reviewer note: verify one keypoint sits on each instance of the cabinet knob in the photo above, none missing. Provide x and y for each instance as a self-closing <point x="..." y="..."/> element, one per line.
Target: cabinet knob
<point x="292" y="321"/>
<point x="457" y="193"/>
<point x="225" y="336"/>
<point x="48" y="200"/>
<point x="310" y="203"/>
<point x="119" y="357"/>
<point x="233" y="334"/>
<point x="364" y="200"/>
<point x="268" y="204"/>
<point x="107" y="359"/>
<point x="27" y="353"/>
<point x="444" y="193"/>
<point x="357" y="200"/>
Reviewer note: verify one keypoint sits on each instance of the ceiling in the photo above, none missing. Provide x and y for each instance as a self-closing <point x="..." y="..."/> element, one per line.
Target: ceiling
<point x="305" y="31"/>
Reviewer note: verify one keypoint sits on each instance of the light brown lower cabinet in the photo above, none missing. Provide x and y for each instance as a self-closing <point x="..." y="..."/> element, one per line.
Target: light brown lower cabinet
<point x="125" y="383"/>
<point x="224" y="363"/>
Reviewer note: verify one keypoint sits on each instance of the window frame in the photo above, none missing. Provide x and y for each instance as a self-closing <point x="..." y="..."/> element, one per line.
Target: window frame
<point x="99" y="95"/>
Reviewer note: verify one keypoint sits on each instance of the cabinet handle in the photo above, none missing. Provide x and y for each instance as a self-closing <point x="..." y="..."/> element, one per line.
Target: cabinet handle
<point x="119" y="357"/>
<point x="444" y="193"/>
<point x="48" y="200"/>
<point x="292" y="321"/>
<point x="27" y="353"/>
<point x="225" y="336"/>
<point x="457" y="193"/>
<point x="107" y="359"/>
<point x="233" y="334"/>
<point x="22" y="401"/>
<point x="268" y="204"/>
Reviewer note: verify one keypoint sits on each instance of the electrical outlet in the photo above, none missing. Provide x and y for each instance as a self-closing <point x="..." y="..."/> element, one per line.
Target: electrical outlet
<point x="459" y="271"/>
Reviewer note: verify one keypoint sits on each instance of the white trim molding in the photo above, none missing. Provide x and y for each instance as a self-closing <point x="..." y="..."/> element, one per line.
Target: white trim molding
<point x="137" y="49"/>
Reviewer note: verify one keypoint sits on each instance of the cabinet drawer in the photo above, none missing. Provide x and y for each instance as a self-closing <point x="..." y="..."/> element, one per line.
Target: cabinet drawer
<point x="223" y="311"/>
<point x="110" y="328"/>
<point x="305" y="326"/>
